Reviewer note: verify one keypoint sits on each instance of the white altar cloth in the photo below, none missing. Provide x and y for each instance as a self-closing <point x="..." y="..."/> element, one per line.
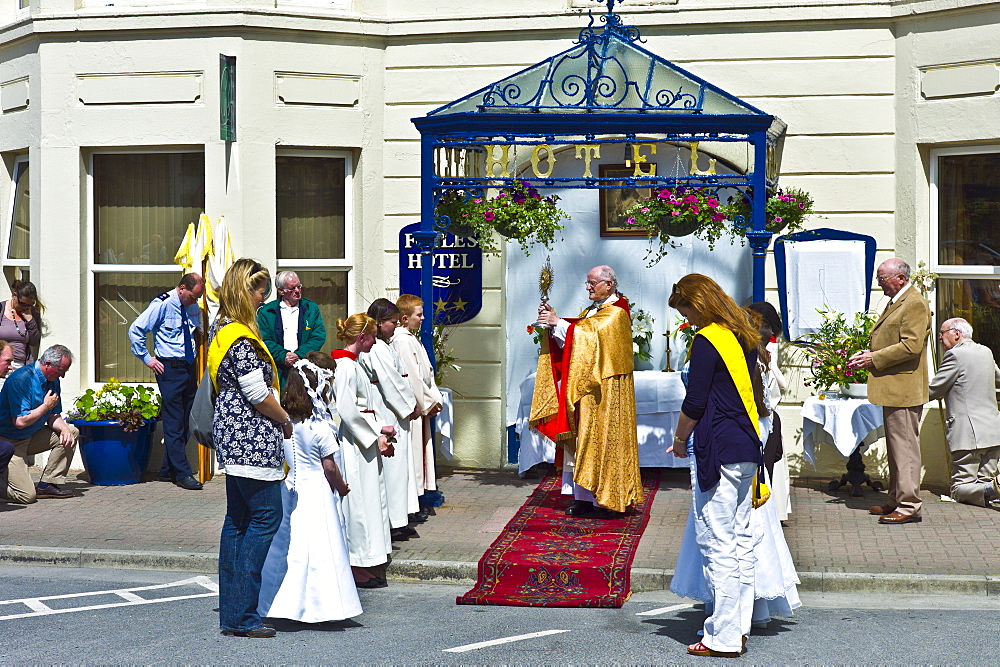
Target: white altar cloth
<point x="849" y="421"/>
<point x="658" y="398"/>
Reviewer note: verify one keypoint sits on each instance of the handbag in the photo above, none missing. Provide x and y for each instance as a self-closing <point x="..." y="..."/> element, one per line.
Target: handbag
<point x="760" y="491"/>
<point x="203" y="411"/>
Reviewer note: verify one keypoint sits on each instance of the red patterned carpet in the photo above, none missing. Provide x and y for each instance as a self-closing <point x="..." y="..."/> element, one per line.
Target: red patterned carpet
<point x="544" y="558"/>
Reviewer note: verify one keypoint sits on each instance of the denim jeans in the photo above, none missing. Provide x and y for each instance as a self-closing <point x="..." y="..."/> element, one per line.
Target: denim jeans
<point x="253" y="514"/>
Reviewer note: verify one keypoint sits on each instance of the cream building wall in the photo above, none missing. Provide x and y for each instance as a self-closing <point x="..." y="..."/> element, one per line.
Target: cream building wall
<point x="845" y="75"/>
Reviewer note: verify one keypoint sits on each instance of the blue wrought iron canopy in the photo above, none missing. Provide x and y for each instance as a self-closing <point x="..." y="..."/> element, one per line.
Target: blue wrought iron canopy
<point x="607" y="72"/>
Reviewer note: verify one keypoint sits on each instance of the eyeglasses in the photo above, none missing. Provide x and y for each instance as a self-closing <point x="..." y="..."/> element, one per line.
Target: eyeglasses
<point x="297" y="288"/>
<point x="882" y="279"/>
<point x="943" y="332"/>
<point x="595" y="283"/>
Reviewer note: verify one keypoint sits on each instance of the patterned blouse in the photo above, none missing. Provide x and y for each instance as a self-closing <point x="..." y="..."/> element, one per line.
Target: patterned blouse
<point x="243" y="436"/>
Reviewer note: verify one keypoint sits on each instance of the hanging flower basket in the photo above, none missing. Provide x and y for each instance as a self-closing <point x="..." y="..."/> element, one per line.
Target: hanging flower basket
<point x="678" y="226"/>
<point x="517" y="212"/>
<point x="677" y="212"/>
<point x="786" y="209"/>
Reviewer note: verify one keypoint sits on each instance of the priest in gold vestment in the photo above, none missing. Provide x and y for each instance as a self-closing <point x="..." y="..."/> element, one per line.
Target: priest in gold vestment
<point x="584" y="399"/>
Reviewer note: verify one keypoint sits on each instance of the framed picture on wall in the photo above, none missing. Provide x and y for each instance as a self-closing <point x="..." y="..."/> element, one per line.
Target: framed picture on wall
<point x="615" y="202"/>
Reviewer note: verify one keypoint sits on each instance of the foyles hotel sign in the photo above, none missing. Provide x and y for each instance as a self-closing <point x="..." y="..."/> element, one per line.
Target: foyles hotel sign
<point x="458" y="275"/>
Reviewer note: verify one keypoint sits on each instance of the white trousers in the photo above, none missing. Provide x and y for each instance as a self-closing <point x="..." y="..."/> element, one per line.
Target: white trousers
<point x="569" y="487"/>
<point x="722" y="529"/>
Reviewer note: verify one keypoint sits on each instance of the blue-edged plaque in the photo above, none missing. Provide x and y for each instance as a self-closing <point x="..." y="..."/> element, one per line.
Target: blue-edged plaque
<point x="458" y="275"/>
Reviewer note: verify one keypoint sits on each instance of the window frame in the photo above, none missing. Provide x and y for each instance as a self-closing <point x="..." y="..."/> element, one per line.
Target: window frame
<point x="345" y="265"/>
<point x="956" y="271"/>
<point x="8" y="228"/>
<point x="93" y="268"/>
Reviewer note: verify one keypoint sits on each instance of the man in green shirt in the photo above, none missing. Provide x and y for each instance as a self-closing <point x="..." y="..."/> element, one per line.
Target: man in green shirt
<point x="290" y="326"/>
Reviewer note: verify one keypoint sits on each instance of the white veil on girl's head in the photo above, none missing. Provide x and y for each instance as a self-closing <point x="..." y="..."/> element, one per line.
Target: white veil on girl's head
<point x="318" y="387"/>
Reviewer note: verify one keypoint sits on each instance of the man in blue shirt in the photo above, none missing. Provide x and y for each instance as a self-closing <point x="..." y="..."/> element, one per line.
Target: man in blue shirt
<point x="173" y="319"/>
<point x="31" y="419"/>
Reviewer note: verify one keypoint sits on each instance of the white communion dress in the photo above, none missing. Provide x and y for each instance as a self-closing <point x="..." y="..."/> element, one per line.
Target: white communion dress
<point x="307" y="575"/>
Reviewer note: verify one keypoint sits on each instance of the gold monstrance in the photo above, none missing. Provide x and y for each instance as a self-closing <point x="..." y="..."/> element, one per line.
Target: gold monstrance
<point x="544" y="285"/>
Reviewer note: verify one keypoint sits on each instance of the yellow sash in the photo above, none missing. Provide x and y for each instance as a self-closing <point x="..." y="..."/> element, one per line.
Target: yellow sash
<point x="725" y="343"/>
<point x="224" y="339"/>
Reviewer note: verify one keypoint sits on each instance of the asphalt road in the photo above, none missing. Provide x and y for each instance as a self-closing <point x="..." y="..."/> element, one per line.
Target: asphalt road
<point x="420" y="623"/>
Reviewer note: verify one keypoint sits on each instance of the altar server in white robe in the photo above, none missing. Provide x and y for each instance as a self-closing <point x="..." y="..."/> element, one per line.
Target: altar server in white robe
<point x="398" y="408"/>
<point x="365" y="442"/>
<point x="420" y="373"/>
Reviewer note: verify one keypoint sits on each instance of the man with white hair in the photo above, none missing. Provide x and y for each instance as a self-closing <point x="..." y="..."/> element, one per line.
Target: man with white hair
<point x="967" y="380"/>
<point x="897" y="380"/>
<point x="584" y="399"/>
<point x="290" y="326"/>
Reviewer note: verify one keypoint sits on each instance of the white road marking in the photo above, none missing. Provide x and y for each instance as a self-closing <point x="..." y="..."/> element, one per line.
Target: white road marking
<point x="505" y="640"/>
<point x="664" y="610"/>
<point x="39" y="608"/>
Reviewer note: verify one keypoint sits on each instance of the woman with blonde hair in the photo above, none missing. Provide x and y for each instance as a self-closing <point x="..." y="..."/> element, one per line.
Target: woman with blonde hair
<point x="248" y="427"/>
<point x="366" y="440"/>
<point x="721" y="411"/>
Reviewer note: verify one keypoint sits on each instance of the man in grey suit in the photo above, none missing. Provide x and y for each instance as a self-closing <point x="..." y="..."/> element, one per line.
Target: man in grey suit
<point x="967" y="379"/>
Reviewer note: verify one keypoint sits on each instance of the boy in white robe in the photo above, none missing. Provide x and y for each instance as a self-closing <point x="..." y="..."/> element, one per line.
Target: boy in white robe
<point x="420" y="374"/>
<point x="398" y="408"/>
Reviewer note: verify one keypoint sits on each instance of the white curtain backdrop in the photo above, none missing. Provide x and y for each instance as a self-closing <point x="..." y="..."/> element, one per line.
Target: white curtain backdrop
<point x="581" y="249"/>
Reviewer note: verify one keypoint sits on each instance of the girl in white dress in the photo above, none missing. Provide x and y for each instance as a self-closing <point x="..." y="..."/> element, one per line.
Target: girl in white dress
<point x="365" y="440"/>
<point x="398" y="407"/>
<point x="307" y="574"/>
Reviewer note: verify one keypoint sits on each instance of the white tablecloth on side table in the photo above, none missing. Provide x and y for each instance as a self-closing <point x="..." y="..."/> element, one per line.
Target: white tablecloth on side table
<point x="849" y="421"/>
<point x="444" y="423"/>
<point x="658" y="398"/>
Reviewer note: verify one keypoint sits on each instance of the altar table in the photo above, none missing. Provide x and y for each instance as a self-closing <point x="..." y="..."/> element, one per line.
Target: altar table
<point x="851" y="422"/>
<point x="658" y="398"/>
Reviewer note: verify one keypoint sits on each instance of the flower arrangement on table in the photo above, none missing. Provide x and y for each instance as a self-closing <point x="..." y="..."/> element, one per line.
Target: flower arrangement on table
<point x="642" y="331"/>
<point x="785" y="209"/>
<point x="444" y="355"/>
<point x="680" y="211"/>
<point x="923" y="278"/>
<point x="517" y="212"/>
<point x="830" y="346"/>
<point x="127" y="405"/>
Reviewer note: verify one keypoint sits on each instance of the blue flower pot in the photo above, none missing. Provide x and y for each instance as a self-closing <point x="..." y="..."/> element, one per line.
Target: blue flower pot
<point x="111" y="456"/>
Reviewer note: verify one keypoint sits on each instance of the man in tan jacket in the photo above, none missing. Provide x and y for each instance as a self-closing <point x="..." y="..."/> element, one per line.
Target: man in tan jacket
<point x="897" y="365"/>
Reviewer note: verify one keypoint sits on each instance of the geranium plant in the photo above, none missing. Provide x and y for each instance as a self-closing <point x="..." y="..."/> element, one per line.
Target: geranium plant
<point x="829" y="348"/>
<point x="785" y="209"/>
<point x="127" y="405"/>
<point x="517" y="212"/>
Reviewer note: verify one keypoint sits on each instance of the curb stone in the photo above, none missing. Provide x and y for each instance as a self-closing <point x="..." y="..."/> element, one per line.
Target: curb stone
<point x="464" y="573"/>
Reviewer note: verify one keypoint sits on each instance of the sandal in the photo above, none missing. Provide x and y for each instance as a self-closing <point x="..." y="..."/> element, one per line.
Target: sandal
<point x="702" y="650"/>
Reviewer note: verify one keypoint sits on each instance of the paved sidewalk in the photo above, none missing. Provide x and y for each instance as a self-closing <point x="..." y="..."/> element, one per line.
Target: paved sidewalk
<point x="835" y="543"/>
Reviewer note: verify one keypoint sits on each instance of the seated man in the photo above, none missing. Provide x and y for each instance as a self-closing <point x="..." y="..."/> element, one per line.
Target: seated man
<point x="967" y="379"/>
<point x="31" y="419"/>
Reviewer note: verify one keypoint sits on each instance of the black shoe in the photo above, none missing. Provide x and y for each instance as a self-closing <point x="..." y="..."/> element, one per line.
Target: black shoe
<point x="191" y="484"/>
<point x="374" y="582"/>
<point x="604" y="513"/>
<point x="46" y="490"/>
<point x="420" y="516"/>
<point x="580" y="508"/>
<point x="258" y="633"/>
